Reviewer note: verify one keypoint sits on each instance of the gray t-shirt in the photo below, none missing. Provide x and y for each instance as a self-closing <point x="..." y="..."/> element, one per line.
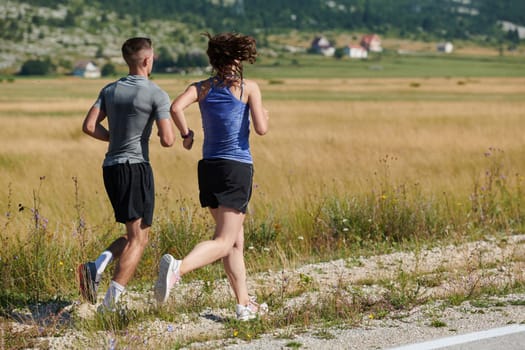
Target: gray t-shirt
<point x="131" y="105"/>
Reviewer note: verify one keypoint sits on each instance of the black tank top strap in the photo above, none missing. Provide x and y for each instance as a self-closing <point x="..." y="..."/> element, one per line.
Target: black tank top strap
<point x="198" y="86"/>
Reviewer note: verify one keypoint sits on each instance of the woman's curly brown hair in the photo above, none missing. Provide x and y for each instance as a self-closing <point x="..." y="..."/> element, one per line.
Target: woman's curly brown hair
<point x="227" y="51"/>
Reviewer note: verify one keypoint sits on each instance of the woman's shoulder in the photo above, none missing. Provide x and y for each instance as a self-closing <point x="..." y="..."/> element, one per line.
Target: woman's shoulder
<point x="249" y="83"/>
<point x="250" y="86"/>
<point x="204" y="82"/>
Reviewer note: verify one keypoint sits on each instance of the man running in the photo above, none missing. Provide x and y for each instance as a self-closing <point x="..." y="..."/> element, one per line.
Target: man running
<point x="131" y="105"/>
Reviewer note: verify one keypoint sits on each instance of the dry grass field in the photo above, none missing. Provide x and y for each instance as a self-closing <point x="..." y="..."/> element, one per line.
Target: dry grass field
<point x="350" y="168"/>
<point x="330" y="135"/>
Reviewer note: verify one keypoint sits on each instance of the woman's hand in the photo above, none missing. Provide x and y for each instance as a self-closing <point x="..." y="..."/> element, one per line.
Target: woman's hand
<point x="187" y="140"/>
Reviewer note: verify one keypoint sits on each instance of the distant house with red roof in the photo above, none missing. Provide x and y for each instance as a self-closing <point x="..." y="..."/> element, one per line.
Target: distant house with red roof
<point x="371" y="42"/>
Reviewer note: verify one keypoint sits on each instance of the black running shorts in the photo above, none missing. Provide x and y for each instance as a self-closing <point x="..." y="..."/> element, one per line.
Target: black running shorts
<point x="225" y="183"/>
<point x="131" y="190"/>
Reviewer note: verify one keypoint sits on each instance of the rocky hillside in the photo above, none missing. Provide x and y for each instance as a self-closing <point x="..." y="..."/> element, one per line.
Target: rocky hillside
<point x="62" y="32"/>
<point x="64" y="37"/>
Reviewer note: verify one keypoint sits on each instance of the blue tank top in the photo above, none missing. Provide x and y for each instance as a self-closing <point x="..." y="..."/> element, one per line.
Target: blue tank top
<point x="226" y="122"/>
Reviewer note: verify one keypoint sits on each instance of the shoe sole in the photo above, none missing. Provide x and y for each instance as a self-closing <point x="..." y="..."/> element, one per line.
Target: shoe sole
<point x="86" y="291"/>
<point x="161" y="287"/>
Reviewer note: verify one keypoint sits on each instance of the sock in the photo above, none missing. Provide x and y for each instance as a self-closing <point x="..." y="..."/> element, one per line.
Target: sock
<point x="113" y="294"/>
<point x="102" y="261"/>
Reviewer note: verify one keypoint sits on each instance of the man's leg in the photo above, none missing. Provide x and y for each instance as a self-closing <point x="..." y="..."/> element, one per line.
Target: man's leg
<point x="130" y="255"/>
<point x="118" y="245"/>
<point x="113" y="252"/>
<point x="137" y="240"/>
<point x="90" y="273"/>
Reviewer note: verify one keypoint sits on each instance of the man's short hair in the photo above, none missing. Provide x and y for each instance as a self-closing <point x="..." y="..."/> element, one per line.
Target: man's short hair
<point x="132" y="47"/>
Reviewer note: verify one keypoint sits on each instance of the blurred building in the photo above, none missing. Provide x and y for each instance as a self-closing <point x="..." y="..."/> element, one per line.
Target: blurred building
<point x="86" y="69"/>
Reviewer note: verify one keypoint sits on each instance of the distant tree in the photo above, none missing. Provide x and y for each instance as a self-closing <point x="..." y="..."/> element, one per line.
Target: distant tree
<point x="12" y="30"/>
<point x="69" y="20"/>
<point x="36" y="20"/>
<point x="179" y="36"/>
<point x="513" y="36"/>
<point x="192" y="59"/>
<point x="164" y="60"/>
<point x="108" y="70"/>
<point x="37" y="67"/>
<point x="100" y="52"/>
<point x="339" y="53"/>
<point x="64" y="63"/>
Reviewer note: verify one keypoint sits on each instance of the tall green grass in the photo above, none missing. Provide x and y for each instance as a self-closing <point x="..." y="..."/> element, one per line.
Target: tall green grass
<point x="39" y="264"/>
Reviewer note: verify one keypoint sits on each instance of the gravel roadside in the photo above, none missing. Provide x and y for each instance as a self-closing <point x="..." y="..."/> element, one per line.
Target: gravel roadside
<point x="414" y="328"/>
<point x="458" y="268"/>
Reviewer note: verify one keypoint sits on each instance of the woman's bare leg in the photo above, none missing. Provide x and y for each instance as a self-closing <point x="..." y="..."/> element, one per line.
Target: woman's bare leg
<point x="228" y="225"/>
<point x="234" y="265"/>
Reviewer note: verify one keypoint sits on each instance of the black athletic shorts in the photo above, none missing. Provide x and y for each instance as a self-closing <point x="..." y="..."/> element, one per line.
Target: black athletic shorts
<point x="225" y="183"/>
<point x="131" y="190"/>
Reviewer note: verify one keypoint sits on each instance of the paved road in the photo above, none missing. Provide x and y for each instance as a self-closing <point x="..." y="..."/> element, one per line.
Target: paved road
<point x="504" y="338"/>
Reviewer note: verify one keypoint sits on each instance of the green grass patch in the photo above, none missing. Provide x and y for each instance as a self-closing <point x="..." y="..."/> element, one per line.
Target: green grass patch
<point x="388" y="65"/>
<point x="438" y="324"/>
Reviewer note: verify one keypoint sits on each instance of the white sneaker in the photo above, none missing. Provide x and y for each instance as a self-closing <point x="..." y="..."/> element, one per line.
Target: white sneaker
<point x="168" y="277"/>
<point x="250" y="311"/>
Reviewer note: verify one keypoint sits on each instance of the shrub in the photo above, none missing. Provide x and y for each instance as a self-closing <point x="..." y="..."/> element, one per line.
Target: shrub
<point x="37" y="67"/>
